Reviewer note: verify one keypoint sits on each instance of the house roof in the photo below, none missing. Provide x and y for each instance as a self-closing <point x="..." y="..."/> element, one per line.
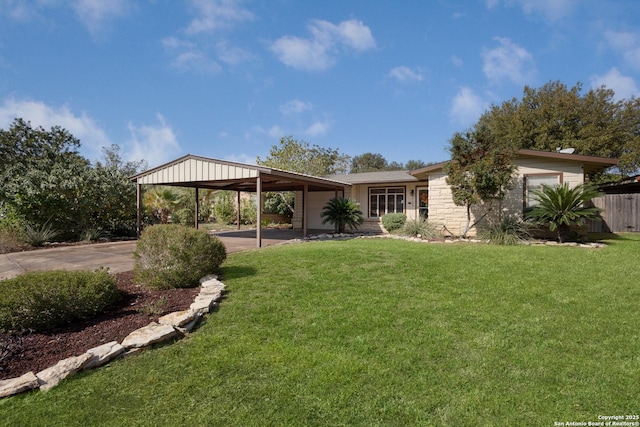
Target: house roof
<point x="204" y="172"/>
<point x="379" y="177"/>
<point x="591" y="163"/>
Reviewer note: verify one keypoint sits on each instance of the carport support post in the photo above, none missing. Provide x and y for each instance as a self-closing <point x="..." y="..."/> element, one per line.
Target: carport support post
<point x="138" y="209"/>
<point x="197" y="207"/>
<point x="238" y="214"/>
<point x="259" y="215"/>
<point x="305" y="209"/>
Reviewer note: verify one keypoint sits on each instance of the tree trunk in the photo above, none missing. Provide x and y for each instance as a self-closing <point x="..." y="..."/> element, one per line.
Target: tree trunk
<point x="466" y="227"/>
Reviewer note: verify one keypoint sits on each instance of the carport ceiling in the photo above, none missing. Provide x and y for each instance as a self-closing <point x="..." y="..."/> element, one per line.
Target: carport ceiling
<point x="203" y="172"/>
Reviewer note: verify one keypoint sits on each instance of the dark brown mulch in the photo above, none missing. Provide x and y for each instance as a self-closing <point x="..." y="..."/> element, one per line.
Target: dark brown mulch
<point x="21" y="353"/>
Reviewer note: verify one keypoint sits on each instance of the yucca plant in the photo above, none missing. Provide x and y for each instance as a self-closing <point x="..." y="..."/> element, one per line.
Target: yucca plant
<point x="342" y="212"/>
<point x="561" y="207"/>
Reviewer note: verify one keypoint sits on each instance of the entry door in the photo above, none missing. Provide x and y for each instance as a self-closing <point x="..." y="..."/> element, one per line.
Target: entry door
<point x="423" y="202"/>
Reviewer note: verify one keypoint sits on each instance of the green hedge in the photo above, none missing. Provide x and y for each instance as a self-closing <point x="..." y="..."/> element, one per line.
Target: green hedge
<point x="393" y="221"/>
<point x="45" y="300"/>
<point x="173" y="256"/>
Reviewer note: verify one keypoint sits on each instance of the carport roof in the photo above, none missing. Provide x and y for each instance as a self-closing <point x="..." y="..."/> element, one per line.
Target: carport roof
<point x="214" y="174"/>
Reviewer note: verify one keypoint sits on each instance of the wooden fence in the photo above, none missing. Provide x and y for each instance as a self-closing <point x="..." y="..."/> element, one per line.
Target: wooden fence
<point x="621" y="213"/>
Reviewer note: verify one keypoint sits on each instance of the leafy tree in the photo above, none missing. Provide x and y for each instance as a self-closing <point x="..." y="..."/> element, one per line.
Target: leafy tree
<point x="480" y="171"/>
<point x="554" y="116"/>
<point x="414" y="164"/>
<point x="368" y="162"/>
<point x="224" y="207"/>
<point x="298" y="156"/>
<point x="280" y="203"/>
<point x="341" y="213"/>
<point x="561" y="207"/>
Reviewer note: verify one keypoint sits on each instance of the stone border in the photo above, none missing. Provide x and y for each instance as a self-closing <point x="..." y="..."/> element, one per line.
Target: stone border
<point x="169" y="326"/>
<point x="345" y="236"/>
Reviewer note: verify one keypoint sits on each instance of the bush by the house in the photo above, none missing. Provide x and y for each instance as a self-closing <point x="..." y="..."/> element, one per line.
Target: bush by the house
<point x="44" y="300"/>
<point x="421" y="228"/>
<point x="510" y="231"/>
<point x="173" y="256"/>
<point x="394" y="221"/>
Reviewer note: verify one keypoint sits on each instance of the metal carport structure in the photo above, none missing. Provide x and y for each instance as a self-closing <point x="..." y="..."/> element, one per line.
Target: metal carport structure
<point x="213" y="174"/>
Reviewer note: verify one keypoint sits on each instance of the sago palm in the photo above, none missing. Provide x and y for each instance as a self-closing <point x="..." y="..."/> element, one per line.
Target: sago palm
<point x="342" y="212"/>
<point x="561" y="207"/>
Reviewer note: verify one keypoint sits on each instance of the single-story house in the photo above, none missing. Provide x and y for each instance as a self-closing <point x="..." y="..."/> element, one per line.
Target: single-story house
<point x="418" y="193"/>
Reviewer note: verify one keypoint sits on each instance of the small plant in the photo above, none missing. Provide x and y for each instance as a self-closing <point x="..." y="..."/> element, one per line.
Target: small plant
<point x="341" y="213"/>
<point x="393" y="221"/>
<point x="510" y="231"/>
<point x="420" y="228"/>
<point x="173" y="256"/>
<point x="45" y="300"/>
<point x="155" y="308"/>
<point x="38" y="236"/>
<point x="92" y="234"/>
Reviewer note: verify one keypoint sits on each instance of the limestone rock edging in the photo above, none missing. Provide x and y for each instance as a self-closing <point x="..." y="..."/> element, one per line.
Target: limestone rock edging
<point x="169" y="326"/>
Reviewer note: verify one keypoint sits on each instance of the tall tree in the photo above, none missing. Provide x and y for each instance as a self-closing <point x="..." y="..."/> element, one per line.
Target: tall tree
<point x="414" y="164"/>
<point x="368" y="162"/>
<point x="555" y="116"/>
<point x="481" y="169"/>
<point x="299" y="156"/>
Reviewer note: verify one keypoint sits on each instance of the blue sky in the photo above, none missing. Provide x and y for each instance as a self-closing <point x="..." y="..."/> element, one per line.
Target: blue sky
<point x="227" y="79"/>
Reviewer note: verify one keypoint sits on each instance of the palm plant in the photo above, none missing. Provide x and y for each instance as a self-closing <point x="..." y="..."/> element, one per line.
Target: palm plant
<point x="161" y="201"/>
<point x="561" y="207"/>
<point x="342" y="212"/>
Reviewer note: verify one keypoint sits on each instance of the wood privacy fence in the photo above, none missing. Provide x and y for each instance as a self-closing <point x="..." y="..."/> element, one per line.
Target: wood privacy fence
<point x="621" y="213"/>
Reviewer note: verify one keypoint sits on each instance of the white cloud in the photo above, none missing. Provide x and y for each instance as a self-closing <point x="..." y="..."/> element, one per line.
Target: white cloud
<point x="318" y="128"/>
<point x="241" y="158"/>
<point x="467" y="107"/>
<point x="627" y="44"/>
<point x="155" y="144"/>
<point x="231" y="55"/>
<point x="405" y="74"/>
<point x="508" y="62"/>
<point x="623" y="86"/>
<point x="83" y="127"/>
<point x="457" y="61"/>
<point x="551" y="10"/>
<point x="189" y="57"/>
<point x="95" y="13"/>
<point x="214" y="15"/>
<point x="295" y="106"/>
<point x="327" y="41"/>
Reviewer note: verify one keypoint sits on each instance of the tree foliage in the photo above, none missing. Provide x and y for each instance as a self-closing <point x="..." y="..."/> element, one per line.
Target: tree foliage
<point x="43" y="180"/>
<point x="298" y="156"/>
<point x="555" y="116"/>
<point x="481" y="169"/>
<point x="373" y="162"/>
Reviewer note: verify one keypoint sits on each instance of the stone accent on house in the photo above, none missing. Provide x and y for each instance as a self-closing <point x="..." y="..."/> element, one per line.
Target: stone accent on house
<point x="168" y="327"/>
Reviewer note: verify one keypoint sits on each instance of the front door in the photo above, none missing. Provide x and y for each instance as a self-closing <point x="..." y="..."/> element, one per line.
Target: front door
<point x="423" y="202"/>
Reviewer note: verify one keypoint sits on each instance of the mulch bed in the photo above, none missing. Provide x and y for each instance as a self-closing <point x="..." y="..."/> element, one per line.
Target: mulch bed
<point x="31" y="351"/>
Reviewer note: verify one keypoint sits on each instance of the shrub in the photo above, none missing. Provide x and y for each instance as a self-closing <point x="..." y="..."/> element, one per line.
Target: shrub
<point x="248" y="211"/>
<point x="45" y="300"/>
<point x="510" y="231"/>
<point x="173" y="256"/>
<point x="37" y="236"/>
<point x="341" y="213"/>
<point x="224" y="207"/>
<point x="420" y="228"/>
<point x="393" y="221"/>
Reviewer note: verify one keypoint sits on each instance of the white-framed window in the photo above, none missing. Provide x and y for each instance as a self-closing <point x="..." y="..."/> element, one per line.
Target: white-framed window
<point x="386" y="200"/>
<point x="534" y="183"/>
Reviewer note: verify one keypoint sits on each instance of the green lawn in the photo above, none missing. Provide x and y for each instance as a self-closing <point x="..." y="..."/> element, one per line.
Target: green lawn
<point x="385" y="332"/>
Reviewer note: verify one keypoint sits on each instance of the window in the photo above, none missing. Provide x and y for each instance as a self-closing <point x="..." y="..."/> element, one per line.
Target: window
<point x="385" y="200"/>
<point x="534" y="182"/>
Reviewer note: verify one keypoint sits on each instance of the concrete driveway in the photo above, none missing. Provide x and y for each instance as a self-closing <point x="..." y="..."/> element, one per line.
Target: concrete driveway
<point x="118" y="256"/>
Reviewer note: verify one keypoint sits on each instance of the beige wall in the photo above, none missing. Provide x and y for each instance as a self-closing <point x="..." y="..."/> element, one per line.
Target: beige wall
<point x="443" y="211"/>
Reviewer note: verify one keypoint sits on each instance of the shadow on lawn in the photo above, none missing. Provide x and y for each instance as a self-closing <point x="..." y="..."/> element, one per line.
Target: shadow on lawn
<point x="237" y="272"/>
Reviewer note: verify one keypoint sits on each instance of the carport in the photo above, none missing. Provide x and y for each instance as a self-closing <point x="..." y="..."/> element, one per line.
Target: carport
<point x="213" y="174"/>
